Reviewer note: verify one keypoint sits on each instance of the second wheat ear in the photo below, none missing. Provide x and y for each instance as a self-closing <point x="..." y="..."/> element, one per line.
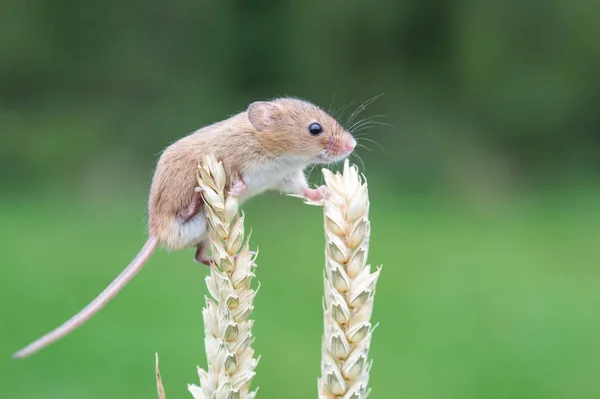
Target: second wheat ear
<point x="349" y="287"/>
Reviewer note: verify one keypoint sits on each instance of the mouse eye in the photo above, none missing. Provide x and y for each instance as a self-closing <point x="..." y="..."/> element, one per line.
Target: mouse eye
<point x="315" y="129"/>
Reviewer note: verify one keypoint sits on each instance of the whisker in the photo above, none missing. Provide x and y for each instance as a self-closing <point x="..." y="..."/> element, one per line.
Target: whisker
<point x="374" y="142"/>
<point x="355" y="113"/>
<point x="370" y="118"/>
<point x="362" y="163"/>
<point x="365" y="147"/>
<point x="363" y="131"/>
<point x="359" y="109"/>
<point x="329" y="111"/>
<point x="372" y="125"/>
<point x="360" y="124"/>
<point x="310" y="171"/>
<point x="362" y="107"/>
<point x="366" y="127"/>
<point x="339" y="114"/>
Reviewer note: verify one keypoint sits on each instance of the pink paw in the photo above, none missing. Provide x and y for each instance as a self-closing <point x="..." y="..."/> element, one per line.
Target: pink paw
<point x="238" y="188"/>
<point x="316" y="194"/>
<point x="201" y="256"/>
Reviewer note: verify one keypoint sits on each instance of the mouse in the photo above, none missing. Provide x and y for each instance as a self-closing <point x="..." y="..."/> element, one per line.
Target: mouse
<point x="265" y="147"/>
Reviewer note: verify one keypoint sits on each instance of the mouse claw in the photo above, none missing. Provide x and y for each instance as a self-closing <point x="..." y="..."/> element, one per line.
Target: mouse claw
<point x="198" y="189"/>
<point x="202" y="257"/>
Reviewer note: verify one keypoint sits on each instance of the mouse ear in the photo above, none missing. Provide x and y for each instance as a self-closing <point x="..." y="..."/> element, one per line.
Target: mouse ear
<point x="262" y="114"/>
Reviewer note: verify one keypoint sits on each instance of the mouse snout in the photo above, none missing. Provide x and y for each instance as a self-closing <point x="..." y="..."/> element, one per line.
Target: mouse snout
<point x="349" y="145"/>
<point x="339" y="147"/>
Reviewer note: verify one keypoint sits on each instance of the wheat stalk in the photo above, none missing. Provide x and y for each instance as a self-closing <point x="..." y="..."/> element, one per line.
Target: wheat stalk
<point x="159" y="384"/>
<point x="227" y="324"/>
<point x="349" y="287"/>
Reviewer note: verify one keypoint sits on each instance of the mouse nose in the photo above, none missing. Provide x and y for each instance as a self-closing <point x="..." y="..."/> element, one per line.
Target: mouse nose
<point x="350" y="145"/>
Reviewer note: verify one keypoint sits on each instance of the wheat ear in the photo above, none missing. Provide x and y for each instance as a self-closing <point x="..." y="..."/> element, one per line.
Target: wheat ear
<point x="349" y="287"/>
<point x="227" y="324"/>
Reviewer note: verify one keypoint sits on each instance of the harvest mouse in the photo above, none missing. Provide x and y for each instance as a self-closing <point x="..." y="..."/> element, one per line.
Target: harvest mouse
<point x="264" y="147"/>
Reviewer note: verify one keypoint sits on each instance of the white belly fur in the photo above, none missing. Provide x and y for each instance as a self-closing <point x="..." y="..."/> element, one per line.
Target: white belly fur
<point x="188" y="234"/>
<point x="268" y="177"/>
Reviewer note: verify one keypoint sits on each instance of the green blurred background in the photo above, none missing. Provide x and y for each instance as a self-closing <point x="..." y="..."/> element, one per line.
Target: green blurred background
<point x="484" y="188"/>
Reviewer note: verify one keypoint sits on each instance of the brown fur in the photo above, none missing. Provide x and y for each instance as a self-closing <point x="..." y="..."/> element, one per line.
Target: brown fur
<point x="261" y="135"/>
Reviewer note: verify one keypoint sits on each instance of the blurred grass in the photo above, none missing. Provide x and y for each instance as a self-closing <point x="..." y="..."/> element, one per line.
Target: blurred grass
<point x="499" y="301"/>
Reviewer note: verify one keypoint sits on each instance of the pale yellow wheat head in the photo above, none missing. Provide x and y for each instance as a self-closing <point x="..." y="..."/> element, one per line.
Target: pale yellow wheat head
<point x="349" y="287"/>
<point x="227" y="323"/>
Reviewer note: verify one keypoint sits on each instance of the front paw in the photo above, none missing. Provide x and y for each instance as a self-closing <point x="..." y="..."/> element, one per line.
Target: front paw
<point x="317" y="194"/>
<point x="238" y="188"/>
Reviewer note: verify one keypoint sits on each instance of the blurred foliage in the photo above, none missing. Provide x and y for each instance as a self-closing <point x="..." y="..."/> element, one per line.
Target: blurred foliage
<point x="507" y="87"/>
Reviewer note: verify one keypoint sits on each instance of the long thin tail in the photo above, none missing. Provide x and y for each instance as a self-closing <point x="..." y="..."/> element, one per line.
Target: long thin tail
<point x="98" y="303"/>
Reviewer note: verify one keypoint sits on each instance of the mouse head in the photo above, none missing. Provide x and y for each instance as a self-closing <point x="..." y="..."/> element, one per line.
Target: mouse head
<point x="296" y="128"/>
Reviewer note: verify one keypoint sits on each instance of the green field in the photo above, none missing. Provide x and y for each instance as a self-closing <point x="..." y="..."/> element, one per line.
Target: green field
<point x="499" y="300"/>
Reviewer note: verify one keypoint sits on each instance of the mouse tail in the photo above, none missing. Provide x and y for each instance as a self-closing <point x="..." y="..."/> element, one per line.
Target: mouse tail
<point x="98" y="303"/>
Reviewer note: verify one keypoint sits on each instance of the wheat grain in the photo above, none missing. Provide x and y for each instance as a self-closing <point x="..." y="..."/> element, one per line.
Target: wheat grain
<point x="349" y="287"/>
<point x="227" y="323"/>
